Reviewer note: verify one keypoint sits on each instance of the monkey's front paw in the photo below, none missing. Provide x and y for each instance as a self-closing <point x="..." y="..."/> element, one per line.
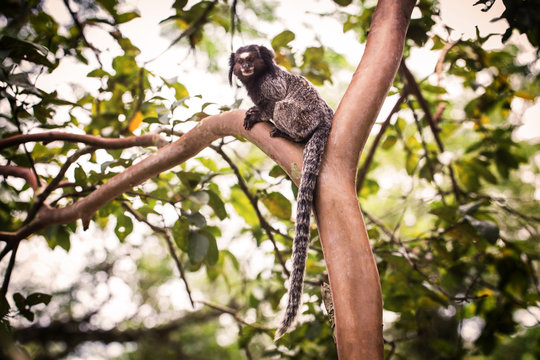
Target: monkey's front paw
<point x="252" y="117"/>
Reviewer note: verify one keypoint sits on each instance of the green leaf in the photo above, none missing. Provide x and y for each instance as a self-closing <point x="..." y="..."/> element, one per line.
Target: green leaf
<point x="180" y="91"/>
<point x="217" y="205"/>
<point x="411" y="162"/>
<point x="389" y="142"/>
<point x="108" y="5"/>
<point x="80" y="176"/>
<point x="125" y="17"/>
<point x="198" y="245"/>
<point x="38" y="298"/>
<point x="243" y="207"/>
<point x="433" y="89"/>
<point x="98" y="73"/>
<point x="282" y="39"/>
<point x="189" y="179"/>
<point x="208" y="163"/>
<point x="212" y="255"/>
<point x="180" y="232"/>
<point x="179" y="4"/>
<point x="466" y="175"/>
<point x="125" y="65"/>
<point x="278" y="205"/>
<point x="487" y="229"/>
<point x="277" y="171"/>
<point x="20" y="301"/>
<point x="196" y="218"/>
<point x="343" y="2"/>
<point x="124" y="227"/>
<point x="20" y="50"/>
<point x="57" y="235"/>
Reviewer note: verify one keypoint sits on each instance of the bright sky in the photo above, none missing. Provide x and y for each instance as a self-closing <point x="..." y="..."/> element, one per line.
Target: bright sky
<point x="145" y="32"/>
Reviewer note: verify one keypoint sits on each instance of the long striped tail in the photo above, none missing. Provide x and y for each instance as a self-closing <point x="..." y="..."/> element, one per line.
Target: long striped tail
<point x="312" y="159"/>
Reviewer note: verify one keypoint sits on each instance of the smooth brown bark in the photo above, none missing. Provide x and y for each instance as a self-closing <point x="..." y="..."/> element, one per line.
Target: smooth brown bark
<point x="351" y="267"/>
<point x="286" y="154"/>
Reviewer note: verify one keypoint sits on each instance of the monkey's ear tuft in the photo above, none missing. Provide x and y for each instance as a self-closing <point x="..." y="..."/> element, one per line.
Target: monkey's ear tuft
<point x="231" y="67"/>
<point x="267" y="55"/>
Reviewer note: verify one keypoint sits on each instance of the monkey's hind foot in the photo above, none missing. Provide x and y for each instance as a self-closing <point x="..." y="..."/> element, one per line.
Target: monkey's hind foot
<point x="253" y="116"/>
<point x="275" y="132"/>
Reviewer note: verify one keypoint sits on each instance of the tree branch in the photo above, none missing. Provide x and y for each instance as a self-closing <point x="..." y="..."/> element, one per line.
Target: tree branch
<point x="234" y="313"/>
<point x="20" y="172"/>
<point x="286" y="154"/>
<point x="371" y="153"/>
<point x="95" y="141"/>
<point x="70" y="331"/>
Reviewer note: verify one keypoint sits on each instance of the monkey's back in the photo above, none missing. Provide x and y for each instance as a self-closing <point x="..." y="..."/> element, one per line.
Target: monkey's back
<point x="297" y="108"/>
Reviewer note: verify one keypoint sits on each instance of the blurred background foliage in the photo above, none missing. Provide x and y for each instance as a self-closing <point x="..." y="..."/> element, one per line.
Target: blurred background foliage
<point x="449" y="192"/>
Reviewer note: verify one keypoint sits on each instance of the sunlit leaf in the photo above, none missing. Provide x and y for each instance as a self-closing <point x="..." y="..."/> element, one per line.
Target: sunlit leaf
<point x="282" y="39"/>
<point x="125" y="17"/>
<point x="278" y="205"/>
<point x="243" y="207"/>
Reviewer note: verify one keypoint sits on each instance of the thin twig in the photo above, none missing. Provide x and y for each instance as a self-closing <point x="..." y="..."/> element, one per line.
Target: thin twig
<point x="96" y="141"/>
<point x="190" y="30"/>
<point x="414" y="89"/>
<point x="369" y="158"/>
<point x="234" y="313"/>
<point x="253" y="201"/>
<point x="80" y="27"/>
<point x="15" y="113"/>
<point x="404" y="252"/>
<point x="235" y="21"/>
<point x="20" y="172"/>
<point x="168" y="239"/>
<point x="426" y="150"/>
<point x="9" y="270"/>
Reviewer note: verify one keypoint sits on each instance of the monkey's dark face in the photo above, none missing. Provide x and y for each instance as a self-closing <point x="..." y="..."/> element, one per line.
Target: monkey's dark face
<point x="250" y="62"/>
<point x="247" y="64"/>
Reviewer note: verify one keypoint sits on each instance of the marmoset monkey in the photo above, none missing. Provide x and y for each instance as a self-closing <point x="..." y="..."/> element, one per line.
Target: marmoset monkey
<point x="300" y="115"/>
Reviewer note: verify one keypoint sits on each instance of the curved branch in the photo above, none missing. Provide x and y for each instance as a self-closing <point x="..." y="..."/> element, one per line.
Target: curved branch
<point x="95" y="141"/>
<point x="286" y="154"/>
<point x="20" y="172"/>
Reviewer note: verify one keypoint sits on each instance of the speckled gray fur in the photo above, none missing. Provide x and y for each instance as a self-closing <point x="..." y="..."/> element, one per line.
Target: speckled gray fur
<point x="299" y="114"/>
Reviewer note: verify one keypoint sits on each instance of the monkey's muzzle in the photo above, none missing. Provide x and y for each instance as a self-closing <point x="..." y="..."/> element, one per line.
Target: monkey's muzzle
<point x="247" y="72"/>
<point x="247" y="69"/>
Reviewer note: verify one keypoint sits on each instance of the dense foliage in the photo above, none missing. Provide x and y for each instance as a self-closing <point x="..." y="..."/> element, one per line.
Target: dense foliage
<point x="449" y="193"/>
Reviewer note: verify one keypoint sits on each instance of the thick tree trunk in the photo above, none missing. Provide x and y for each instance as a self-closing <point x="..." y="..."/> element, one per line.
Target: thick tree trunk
<point x="353" y="274"/>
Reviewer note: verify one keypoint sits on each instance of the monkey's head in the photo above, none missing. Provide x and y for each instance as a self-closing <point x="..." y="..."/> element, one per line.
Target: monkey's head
<point x="250" y="62"/>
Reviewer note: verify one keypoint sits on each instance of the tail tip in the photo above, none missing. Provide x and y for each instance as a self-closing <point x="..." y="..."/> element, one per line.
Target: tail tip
<point x="279" y="333"/>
